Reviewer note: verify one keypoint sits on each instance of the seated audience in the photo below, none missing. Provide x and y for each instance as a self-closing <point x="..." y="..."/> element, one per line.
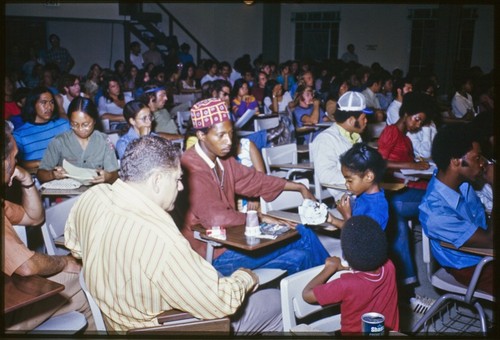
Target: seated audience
<point x="211" y="71"/>
<point x="143" y="243"/>
<point x="370" y="287"/>
<point x="93" y="81"/>
<point x="350" y="122"/>
<point x="69" y="88"/>
<point x="257" y="90"/>
<point x="275" y="98"/>
<point x="338" y="87"/>
<point x="462" y="106"/>
<point x="284" y="77"/>
<point x="140" y="119"/>
<point x="242" y="101"/>
<point x="42" y="123"/>
<point x="396" y="148"/>
<point x="452" y="212"/>
<point x="84" y="146"/>
<point x="155" y="97"/>
<point x="385" y="95"/>
<point x="307" y="110"/>
<point x="131" y="78"/>
<point x="113" y="100"/>
<point x="401" y="87"/>
<point x="187" y="82"/>
<point x="363" y="168"/>
<point x="20" y="96"/>
<point x="213" y="179"/>
<point x="18" y="259"/>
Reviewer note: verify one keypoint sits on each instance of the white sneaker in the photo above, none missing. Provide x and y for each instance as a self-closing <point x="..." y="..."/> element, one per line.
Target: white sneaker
<point x="421" y="304"/>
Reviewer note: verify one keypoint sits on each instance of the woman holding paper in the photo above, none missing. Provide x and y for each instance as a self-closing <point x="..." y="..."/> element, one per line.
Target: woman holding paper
<point x="83" y="146"/>
<point x="396" y="148"/>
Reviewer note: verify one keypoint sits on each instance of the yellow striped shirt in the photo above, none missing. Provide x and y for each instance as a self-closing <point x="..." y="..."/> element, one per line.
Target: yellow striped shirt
<point x="137" y="264"/>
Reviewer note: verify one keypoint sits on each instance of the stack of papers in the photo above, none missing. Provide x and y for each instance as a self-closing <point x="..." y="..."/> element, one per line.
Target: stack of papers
<point x="82" y="175"/>
<point x="409" y="172"/>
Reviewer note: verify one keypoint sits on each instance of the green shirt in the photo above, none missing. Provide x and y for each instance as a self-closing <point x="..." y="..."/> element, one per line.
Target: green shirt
<point x="99" y="154"/>
<point x="164" y="122"/>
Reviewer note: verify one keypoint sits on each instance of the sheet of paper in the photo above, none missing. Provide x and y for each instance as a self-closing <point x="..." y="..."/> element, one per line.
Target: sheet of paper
<point x="244" y="118"/>
<point x="83" y="175"/>
<point x="409" y="172"/>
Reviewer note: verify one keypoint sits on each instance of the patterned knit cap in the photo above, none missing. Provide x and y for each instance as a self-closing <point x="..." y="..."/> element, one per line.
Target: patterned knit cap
<point x="209" y="112"/>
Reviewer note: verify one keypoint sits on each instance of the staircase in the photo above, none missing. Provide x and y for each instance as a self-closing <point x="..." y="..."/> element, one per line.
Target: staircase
<point x="142" y="26"/>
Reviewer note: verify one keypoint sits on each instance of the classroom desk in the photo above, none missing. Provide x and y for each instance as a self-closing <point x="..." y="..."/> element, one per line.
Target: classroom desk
<point x="63" y="192"/>
<point x="235" y="237"/>
<point x="295" y="218"/>
<point x="20" y="291"/>
<point x="472" y="250"/>
<point x="301" y="166"/>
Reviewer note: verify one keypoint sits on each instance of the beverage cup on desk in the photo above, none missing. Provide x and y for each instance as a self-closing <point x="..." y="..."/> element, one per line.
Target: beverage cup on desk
<point x="252" y="219"/>
<point x="252" y="240"/>
<point x="105" y="124"/>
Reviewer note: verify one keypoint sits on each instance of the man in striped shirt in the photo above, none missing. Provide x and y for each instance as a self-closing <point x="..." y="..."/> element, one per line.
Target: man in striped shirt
<point x="136" y="262"/>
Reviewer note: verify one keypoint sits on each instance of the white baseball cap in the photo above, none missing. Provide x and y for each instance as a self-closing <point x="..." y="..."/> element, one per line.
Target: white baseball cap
<point x="353" y="101"/>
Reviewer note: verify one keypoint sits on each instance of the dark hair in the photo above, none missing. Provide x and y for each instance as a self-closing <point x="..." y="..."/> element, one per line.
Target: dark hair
<point x="451" y="142"/>
<point x="399" y="83"/>
<point x="341" y="116"/>
<point x="107" y="80"/>
<point x="361" y="158"/>
<point x="268" y="89"/>
<point x="54" y="36"/>
<point x="224" y="64"/>
<point x="117" y="64"/>
<point x="373" y="78"/>
<point x="29" y="109"/>
<point x="333" y="91"/>
<point x="363" y="242"/>
<point x="148" y="154"/>
<point x="416" y="102"/>
<point x="218" y="84"/>
<point x="67" y="80"/>
<point x="134" y="44"/>
<point x="21" y="93"/>
<point x="185" y="68"/>
<point x="132" y="108"/>
<point x="150" y="90"/>
<point x="238" y="84"/>
<point x="87" y="106"/>
<point x="209" y="63"/>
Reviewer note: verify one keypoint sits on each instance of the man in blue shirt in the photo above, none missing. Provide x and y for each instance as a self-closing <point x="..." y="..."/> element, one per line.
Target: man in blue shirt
<point x="451" y="211"/>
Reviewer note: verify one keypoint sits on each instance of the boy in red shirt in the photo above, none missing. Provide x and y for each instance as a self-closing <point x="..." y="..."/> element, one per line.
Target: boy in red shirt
<point x="370" y="287"/>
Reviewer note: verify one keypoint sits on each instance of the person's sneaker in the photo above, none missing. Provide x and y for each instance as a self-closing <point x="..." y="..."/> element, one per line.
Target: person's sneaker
<point x="421" y="304"/>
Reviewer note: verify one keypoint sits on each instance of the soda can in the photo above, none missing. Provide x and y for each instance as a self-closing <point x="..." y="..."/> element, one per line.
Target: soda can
<point x="372" y="324"/>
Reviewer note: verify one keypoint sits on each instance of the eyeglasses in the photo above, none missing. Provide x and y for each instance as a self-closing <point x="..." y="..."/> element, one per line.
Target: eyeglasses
<point x="146" y="119"/>
<point x="83" y="126"/>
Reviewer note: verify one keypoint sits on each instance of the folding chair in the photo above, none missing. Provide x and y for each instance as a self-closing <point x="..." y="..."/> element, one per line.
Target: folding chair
<point x="295" y="309"/>
<point x="459" y="310"/>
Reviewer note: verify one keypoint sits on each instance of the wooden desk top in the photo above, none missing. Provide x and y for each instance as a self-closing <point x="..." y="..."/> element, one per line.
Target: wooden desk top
<point x="235" y="237"/>
<point x="22" y="291"/>
<point x="302" y="166"/>
<point x="64" y="192"/>
<point x="472" y="250"/>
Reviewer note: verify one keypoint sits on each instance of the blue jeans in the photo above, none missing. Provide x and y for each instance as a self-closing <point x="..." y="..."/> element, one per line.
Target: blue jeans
<point x="304" y="253"/>
<point x="404" y="207"/>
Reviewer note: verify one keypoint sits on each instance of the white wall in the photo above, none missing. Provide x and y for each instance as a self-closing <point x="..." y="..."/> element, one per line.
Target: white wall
<point x="227" y="30"/>
<point x="231" y="30"/>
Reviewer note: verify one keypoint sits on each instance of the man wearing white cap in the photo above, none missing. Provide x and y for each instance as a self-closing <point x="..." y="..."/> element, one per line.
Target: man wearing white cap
<point x="350" y="122"/>
<point x="214" y="177"/>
